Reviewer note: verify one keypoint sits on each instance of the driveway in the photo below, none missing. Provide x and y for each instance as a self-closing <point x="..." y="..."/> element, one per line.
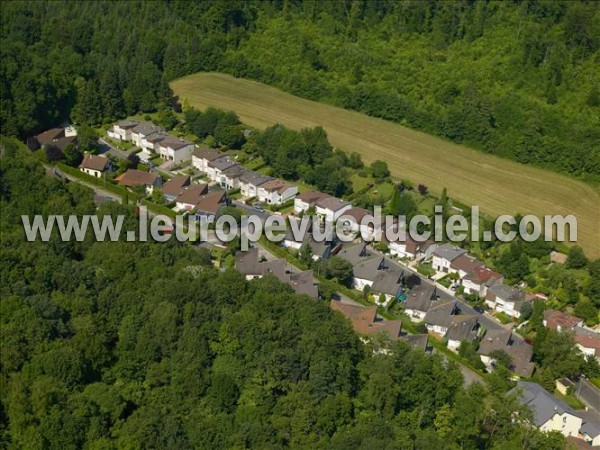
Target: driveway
<point x="107" y="147"/>
<point x="588" y="394"/>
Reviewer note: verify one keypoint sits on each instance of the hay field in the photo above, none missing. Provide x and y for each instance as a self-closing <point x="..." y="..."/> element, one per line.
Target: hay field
<point x="497" y="185"/>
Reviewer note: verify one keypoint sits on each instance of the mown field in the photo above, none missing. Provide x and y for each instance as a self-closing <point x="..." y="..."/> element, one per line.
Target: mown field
<point x="497" y="185"/>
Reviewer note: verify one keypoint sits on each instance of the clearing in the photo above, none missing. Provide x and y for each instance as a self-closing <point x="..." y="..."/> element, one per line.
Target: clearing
<point x="497" y="185"/>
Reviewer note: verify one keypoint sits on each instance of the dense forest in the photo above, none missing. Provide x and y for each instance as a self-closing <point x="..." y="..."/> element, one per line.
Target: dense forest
<point x="519" y="79"/>
<point x="145" y="345"/>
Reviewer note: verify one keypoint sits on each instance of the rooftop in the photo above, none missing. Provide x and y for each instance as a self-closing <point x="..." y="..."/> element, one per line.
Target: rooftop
<point x="207" y="153"/>
<point x="543" y="404"/>
<point x="462" y="328"/>
<point x="175" y="186"/>
<point x="441" y="314"/>
<point x="94" y="162"/>
<point x="276" y="185"/>
<point x="211" y="202"/>
<point x="420" y="297"/>
<point x="449" y="252"/>
<point x="331" y="203"/>
<point x="364" y="319"/>
<point x="311" y="197"/>
<point x="555" y="319"/>
<point x="192" y="194"/>
<point x="134" y="177"/>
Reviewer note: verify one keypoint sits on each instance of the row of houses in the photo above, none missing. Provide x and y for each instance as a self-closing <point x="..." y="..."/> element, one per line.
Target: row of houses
<point x="224" y="171"/>
<point x="152" y="139"/>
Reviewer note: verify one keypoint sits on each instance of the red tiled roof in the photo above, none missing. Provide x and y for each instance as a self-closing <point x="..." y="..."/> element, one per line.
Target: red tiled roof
<point x="135" y="177"/>
<point x="364" y="319"/>
<point x="50" y="135"/>
<point x="555" y="319"/>
<point x="211" y="203"/>
<point x="312" y="196"/>
<point x="465" y="263"/>
<point x="279" y="186"/>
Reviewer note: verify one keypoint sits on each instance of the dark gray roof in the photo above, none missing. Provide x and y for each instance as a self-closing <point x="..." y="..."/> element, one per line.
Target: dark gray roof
<point x="368" y="270"/>
<point x="355" y="253"/>
<point x="420" y="297"/>
<point x="247" y="262"/>
<point x="520" y="355"/>
<point x="462" y="328"/>
<point x="127" y="123"/>
<point x="254" y="178"/>
<point x="494" y="340"/>
<point x="235" y="171"/>
<point x="222" y="163"/>
<point x="388" y="281"/>
<point x="331" y="203"/>
<point x="145" y="128"/>
<point x="449" y="252"/>
<point x="543" y="405"/>
<point x="207" y="153"/>
<point x="591" y="422"/>
<point x="416" y="341"/>
<point x="303" y="283"/>
<point x="441" y="314"/>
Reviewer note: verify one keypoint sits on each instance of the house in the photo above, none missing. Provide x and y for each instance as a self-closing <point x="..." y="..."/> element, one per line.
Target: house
<point x="175" y="149"/>
<point x="307" y="200"/>
<point x="150" y="143"/>
<point x="590" y="428"/>
<point x="94" y="165"/>
<point x="174" y="187"/>
<point x="250" y="181"/>
<point x="248" y="264"/>
<point x="142" y="130"/>
<point x="443" y="256"/>
<point x="320" y="250"/>
<point x="388" y="283"/>
<point x="559" y="321"/>
<point x="549" y="412"/>
<point x="210" y="204"/>
<point x="276" y="192"/>
<point x="439" y="317"/>
<point x="133" y="178"/>
<point x="365" y="321"/>
<point x="303" y="283"/>
<point x="355" y="253"/>
<point x="503" y="298"/>
<point x="190" y="196"/>
<point x="353" y="218"/>
<point x="121" y="131"/>
<point x="202" y="156"/>
<point x="231" y="176"/>
<point x="464" y="264"/>
<point x="479" y="280"/>
<point x="329" y="209"/>
<point x="588" y="342"/>
<point x="57" y="137"/>
<point x="519" y="351"/>
<point x="417" y="341"/>
<point x="462" y="327"/>
<point x="419" y="301"/>
<point x="216" y="167"/>
<point x="366" y="272"/>
<point x="409" y="248"/>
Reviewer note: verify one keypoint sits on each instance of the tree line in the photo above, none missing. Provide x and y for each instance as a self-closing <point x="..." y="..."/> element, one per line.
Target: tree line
<point x="517" y="79"/>
<point x="146" y="345"/>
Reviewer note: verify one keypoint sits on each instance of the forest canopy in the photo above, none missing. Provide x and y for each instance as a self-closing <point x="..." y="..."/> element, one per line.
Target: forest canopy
<point x="144" y="345"/>
<point x="518" y="79"/>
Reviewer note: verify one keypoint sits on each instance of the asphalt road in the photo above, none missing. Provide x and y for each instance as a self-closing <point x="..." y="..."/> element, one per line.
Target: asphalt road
<point x="588" y="394"/>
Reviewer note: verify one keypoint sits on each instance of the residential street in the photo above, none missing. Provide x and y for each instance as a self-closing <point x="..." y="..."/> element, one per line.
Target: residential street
<point x="106" y="147"/>
<point x="588" y="394"/>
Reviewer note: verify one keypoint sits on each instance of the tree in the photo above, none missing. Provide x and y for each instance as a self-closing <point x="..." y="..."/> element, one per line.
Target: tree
<point x="576" y="258"/>
<point x="423" y="190"/>
<point x="305" y="254"/>
<point x="587" y="311"/>
<point x="559" y="354"/>
<point x="87" y="138"/>
<point x="379" y="170"/>
<point x="53" y="153"/>
<point x="73" y="156"/>
<point x="339" y="269"/>
<point x="502" y="358"/>
<point x="526" y="311"/>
